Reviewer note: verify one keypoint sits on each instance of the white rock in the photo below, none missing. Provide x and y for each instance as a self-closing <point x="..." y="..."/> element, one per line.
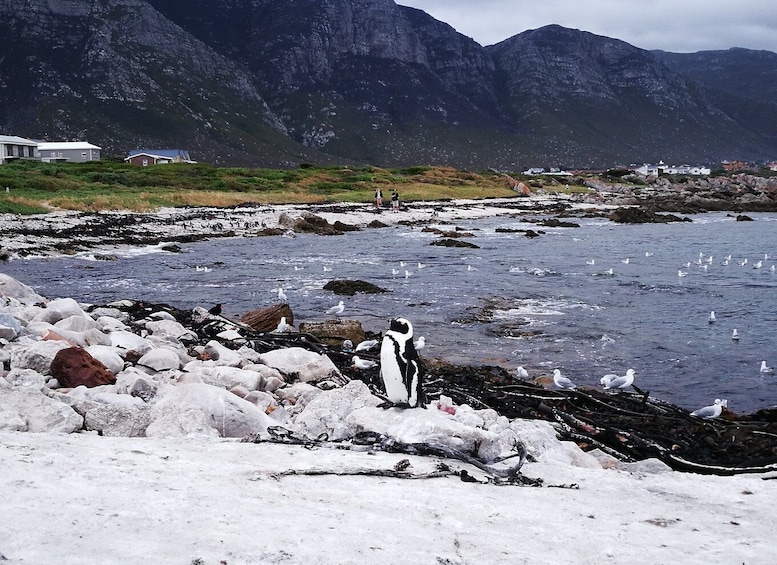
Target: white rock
<point x="116" y="420"/>
<point x="26" y="378"/>
<point x="308" y="366"/>
<point x="199" y="409"/>
<point x="77" y="324"/>
<point x="10" y="327"/>
<point x="130" y="341"/>
<point x="108" y="356"/>
<point x="222" y="355"/>
<point x="28" y="411"/>
<point x="162" y="315"/>
<point x="109" y="324"/>
<point x="12" y="288"/>
<point x="298" y="394"/>
<point x="262" y="400"/>
<point x="38" y="356"/>
<point x="110" y="313"/>
<point x="325" y="415"/>
<point x="166" y="327"/>
<point x="116" y="399"/>
<point x="433" y="427"/>
<point x="159" y="360"/>
<point x="232" y="376"/>
<point x="59" y="309"/>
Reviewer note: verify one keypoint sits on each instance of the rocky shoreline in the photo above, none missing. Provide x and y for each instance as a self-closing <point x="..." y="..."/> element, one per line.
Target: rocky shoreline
<point x="636" y="200"/>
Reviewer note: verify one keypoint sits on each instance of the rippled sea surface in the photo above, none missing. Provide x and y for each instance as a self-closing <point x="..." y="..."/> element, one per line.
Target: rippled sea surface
<point x="566" y="300"/>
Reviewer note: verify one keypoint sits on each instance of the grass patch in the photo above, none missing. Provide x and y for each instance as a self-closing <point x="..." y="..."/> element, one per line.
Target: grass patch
<point x="36" y="187"/>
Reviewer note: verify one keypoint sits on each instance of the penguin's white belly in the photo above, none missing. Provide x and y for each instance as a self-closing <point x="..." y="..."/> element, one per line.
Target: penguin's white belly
<point x="391" y="373"/>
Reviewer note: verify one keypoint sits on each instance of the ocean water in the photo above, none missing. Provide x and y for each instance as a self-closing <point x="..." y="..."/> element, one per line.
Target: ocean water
<point x="566" y="300"/>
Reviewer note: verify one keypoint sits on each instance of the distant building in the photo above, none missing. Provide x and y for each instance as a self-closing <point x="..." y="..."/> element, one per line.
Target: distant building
<point x="649" y="170"/>
<point x="13" y="148"/>
<point x="730" y="166"/>
<point x="145" y="157"/>
<point x="71" y="151"/>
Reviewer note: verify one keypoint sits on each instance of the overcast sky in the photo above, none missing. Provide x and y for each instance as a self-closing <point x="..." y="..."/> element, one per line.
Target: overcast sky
<point x="681" y="26"/>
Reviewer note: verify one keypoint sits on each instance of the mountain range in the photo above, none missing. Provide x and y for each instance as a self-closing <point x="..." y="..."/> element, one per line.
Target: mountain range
<point x="277" y="83"/>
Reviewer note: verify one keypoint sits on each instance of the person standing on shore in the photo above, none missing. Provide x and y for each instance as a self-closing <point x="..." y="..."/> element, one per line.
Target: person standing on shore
<point x="395" y="201"/>
<point x="378" y="198"/>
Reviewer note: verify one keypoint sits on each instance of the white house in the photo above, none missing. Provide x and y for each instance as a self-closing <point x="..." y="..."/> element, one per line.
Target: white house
<point x="72" y="151"/>
<point x="13" y="147"/>
<point x="654" y="170"/>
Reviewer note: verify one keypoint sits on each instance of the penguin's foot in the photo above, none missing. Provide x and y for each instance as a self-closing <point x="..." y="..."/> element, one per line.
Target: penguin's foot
<point x="388" y="404"/>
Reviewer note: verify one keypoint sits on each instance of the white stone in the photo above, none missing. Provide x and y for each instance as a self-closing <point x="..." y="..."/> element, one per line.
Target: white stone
<point x="77" y="324"/>
<point x="116" y="420"/>
<point x="307" y="366"/>
<point x="28" y="411"/>
<point x="10" y="327"/>
<point x="160" y="360"/>
<point x="108" y="356"/>
<point x="37" y="356"/>
<point x="10" y="287"/>
<point x="232" y="376"/>
<point x="222" y="355"/>
<point x="109" y="324"/>
<point x="325" y="415"/>
<point x="59" y="309"/>
<point x="200" y="409"/>
<point x="166" y="327"/>
<point x="130" y="342"/>
<point x="26" y="378"/>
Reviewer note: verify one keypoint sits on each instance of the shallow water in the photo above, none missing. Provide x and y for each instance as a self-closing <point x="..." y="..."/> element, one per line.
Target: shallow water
<point x="561" y="311"/>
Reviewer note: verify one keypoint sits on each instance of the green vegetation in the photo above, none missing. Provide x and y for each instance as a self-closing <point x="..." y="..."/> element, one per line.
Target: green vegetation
<point x="36" y="187"/>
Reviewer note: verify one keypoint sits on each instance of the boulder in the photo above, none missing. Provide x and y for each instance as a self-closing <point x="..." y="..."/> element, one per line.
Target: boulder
<point x="10" y="287"/>
<point x="131" y="342"/>
<point x="118" y="420"/>
<point x="222" y="355"/>
<point x="326" y="413"/>
<point x="159" y="360"/>
<point x="26" y="378"/>
<point x="37" y="356"/>
<point x="351" y="287"/>
<point x="74" y="366"/>
<point x="10" y="327"/>
<point x="200" y="409"/>
<point x="108" y="356"/>
<point x="59" y="309"/>
<point x="28" y="411"/>
<point x="267" y="319"/>
<point x="306" y="366"/>
<point x="335" y="332"/>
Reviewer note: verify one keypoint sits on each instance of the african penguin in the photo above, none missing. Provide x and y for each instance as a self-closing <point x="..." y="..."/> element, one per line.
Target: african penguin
<point x="399" y="365"/>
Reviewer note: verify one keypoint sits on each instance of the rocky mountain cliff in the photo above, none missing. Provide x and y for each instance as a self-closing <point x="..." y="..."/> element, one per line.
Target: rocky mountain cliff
<point x="270" y="82"/>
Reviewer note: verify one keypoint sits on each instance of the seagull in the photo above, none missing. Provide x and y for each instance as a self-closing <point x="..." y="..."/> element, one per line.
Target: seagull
<point x="347" y="345"/>
<point x="735" y="335"/>
<point x="712" y="411"/>
<point x="421" y="265"/>
<point x="282" y="295"/>
<point x="337" y="310"/>
<point x="201" y="269"/>
<point x="743" y="263"/>
<point x="687" y="265"/>
<point x="609" y="272"/>
<point x="360" y="363"/>
<point x="681" y="273"/>
<point x="648" y="254"/>
<point x="591" y="262"/>
<point x="327" y="269"/>
<point x="561" y="381"/>
<point x="522" y="373"/>
<point x="403" y="264"/>
<point x="765" y="369"/>
<point x="282" y="327"/>
<point x="620" y="382"/>
<point x="407" y="273"/>
<point x="298" y="268"/>
<point x="394" y="271"/>
<point x="625" y="261"/>
<point x="758" y="265"/>
<point x="772" y="268"/>
<point x="420" y="343"/>
<point x="471" y="268"/>
<point x="711" y="319"/>
<point x="366" y="345"/>
<point x="607" y="379"/>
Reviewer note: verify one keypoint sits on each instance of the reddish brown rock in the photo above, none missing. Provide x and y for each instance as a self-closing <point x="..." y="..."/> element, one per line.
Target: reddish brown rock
<point x="74" y="367"/>
<point x="267" y="319"/>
